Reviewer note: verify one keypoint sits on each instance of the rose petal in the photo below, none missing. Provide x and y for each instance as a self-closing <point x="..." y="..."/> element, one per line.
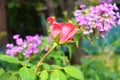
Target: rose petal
<point x="51" y="19"/>
<point x="55" y="29"/>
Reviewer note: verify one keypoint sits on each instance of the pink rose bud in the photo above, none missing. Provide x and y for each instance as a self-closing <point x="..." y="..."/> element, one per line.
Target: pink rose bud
<point x="64" y="32"/>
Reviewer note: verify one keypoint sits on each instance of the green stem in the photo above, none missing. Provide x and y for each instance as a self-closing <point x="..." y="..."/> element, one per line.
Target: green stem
<point x="42" y="59"/>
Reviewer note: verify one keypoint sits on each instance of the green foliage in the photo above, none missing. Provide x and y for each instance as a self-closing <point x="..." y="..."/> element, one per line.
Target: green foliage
<point x="57" y="65"/>
<point x="1" y="71"/>
<point x="27" y="74"/>
<point x="9" y="59"/>
<point x="43" y="75"/>
<point x="57" y="75"/>
<point x="13" y="4"/>
<point x="72" y="71"/>
<point x="76" y="39"/>
<point x="4" y="76"/>
<point x="96" y="69"/>
<point x="70" y="51"/>
<point x="21" y="68"/>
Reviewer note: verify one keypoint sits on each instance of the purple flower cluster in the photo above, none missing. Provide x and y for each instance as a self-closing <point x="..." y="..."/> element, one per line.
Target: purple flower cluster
<point x="105" y="1"/>
<point x="27" y="46"/>
<point x="99" y="18"/>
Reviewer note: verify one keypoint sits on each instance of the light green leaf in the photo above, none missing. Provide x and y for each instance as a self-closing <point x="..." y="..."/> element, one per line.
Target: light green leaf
<point x="13" y="78"/>
<point x="62" y="75"/>
<point x="46" y="66"/>
<point x="57" y="75"/>
<point x="43" y="75"/>
<point x="7" y="76"/>
<point x="72" y="71"/>
<point x="1" y="71"/>
<point x="27" y="74"/>
<point x="24" y="63"/>
<point x="9" y="59"/>
<point x="4" y="76"/>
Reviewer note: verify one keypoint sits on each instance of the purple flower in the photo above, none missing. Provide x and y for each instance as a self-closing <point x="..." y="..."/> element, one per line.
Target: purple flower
<point x="9" y="45"/>
<point x="77" y="12"/>
<point x="83" y="21"/>
<point x="29" y="38"/>
<point x="82" y="6"/>
<point x="115" y="7"/>
<point x="35" y="50"/>
<point x="19" y="41"/>
<point x="9" y="52"/>
<point x="26" y="46"/>
<point x="118" y="22"/>
<point x="16" y="36"/>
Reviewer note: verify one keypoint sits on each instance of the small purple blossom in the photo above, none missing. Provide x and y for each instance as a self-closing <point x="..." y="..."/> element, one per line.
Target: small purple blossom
<point x="82" y="6"/>
<point x="19" y="41"/>
<point x="9" y="45"/>
<point x="118" y="22"/>
<point x="16" y="36"/>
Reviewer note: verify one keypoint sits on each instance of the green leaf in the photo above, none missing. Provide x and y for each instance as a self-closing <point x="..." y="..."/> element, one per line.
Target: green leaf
<point x="4" y="76"/>
<point x="72" y="71"/>
<point x="9" y="59"/>
<point x="46" y="66"/>
<point x="1" y="71"/>
<point x="76" y="39"/>
<point x="44" y="75"/>
<point x="27" y="74"/>
<point x="13" y="78"/>
<point x="24" y="63"/>
<point x="57" y="75"/>
<point x="7" y="76"/>
<point x="70" y="49"/>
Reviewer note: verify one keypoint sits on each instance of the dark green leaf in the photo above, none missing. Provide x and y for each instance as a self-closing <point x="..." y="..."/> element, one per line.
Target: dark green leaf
<point x="9" y="59"/>
<point x="76" y="39"/>
<point x="44" y="75"/>
<point x="70" y="51"/>
<point x="57" y="75"/>
<point x="72" y="71"/>
<point x="27" y="74"/>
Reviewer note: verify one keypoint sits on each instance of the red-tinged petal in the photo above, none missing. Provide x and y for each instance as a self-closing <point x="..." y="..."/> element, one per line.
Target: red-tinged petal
<point x="70" y="25"/>
<point x="51" y="19"/>
<point x="68" y="31"/>
<point x="55" y="29"/>
<point x="70" y="36"/>
<point x="65" y="30"/>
